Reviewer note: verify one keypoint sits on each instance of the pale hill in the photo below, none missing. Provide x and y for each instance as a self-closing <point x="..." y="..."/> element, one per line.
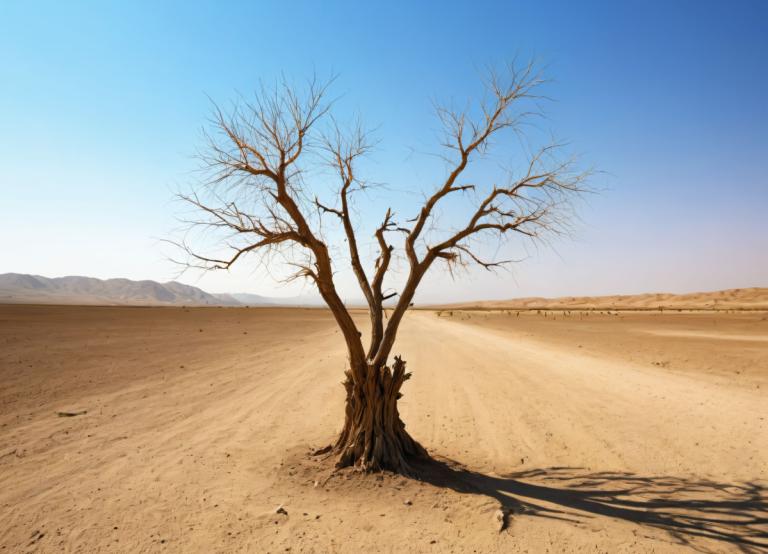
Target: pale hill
<point x="755" y="298"/>
<point x="16" y="288"/>
<point x="304" y="300"/>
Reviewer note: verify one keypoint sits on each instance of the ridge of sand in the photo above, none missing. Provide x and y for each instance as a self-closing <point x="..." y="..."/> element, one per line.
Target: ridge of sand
<point x="755" y="298"/>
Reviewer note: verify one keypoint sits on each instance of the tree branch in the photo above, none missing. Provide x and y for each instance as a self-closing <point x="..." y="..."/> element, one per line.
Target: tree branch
<point x="527" y="206"/>
<point x="259" y="146"/>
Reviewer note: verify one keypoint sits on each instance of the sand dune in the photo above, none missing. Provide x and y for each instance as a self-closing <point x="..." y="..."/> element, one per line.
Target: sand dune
<point x="590" y="433"/>
<point x="730" y="299"/>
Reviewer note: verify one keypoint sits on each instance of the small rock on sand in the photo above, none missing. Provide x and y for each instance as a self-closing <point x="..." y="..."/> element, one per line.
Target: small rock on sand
<point x="499" y="518"/>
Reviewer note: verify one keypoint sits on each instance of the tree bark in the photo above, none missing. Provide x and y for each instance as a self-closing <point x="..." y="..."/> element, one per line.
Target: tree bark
<point x="374" y="437"/>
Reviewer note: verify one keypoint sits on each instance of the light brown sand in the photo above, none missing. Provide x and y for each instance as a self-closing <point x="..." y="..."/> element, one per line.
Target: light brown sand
<point x="643" y="433"/>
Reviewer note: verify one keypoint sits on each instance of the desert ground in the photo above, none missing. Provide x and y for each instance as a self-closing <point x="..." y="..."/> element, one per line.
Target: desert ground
<point x="555" y="431"/>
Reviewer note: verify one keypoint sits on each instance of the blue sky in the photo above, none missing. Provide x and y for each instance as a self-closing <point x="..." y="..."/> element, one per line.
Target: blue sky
<point x="101" y="105"/>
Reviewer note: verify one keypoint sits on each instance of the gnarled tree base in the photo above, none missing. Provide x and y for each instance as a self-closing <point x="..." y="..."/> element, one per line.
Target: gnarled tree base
<point x="374" y="437"/>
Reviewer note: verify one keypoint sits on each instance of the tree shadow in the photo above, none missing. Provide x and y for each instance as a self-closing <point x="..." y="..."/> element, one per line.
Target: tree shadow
<point x="686" y="508"/>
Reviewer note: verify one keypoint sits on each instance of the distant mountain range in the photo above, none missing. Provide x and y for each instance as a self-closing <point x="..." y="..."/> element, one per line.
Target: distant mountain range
<point x="17" y="288"/>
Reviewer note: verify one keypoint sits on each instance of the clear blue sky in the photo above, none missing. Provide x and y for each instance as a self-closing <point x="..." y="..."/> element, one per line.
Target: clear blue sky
<point x="101" y="104"/>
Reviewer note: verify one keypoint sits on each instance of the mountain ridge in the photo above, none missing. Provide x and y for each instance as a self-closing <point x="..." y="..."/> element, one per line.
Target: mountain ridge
<point x="21" y="288"/>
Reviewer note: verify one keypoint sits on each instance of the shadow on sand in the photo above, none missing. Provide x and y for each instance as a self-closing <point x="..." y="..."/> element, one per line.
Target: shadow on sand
<point x="733" y="513"/>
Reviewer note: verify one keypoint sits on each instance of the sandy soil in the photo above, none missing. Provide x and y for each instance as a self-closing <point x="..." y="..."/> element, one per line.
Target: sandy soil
<point x="632" y="433"/>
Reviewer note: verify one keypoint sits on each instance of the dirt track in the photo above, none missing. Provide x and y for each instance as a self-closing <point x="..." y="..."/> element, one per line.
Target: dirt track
<point x="197" y="421"/>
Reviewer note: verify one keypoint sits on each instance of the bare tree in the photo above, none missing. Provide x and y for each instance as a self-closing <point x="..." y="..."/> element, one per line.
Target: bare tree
<point x="258" y="190"/>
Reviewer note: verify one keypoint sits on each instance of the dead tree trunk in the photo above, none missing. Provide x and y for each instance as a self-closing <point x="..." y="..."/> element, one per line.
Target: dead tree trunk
<point x="374" y="436"/>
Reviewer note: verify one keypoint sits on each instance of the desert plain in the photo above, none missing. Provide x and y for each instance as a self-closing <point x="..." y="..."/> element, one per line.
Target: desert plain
<point x="138" y="429"/>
